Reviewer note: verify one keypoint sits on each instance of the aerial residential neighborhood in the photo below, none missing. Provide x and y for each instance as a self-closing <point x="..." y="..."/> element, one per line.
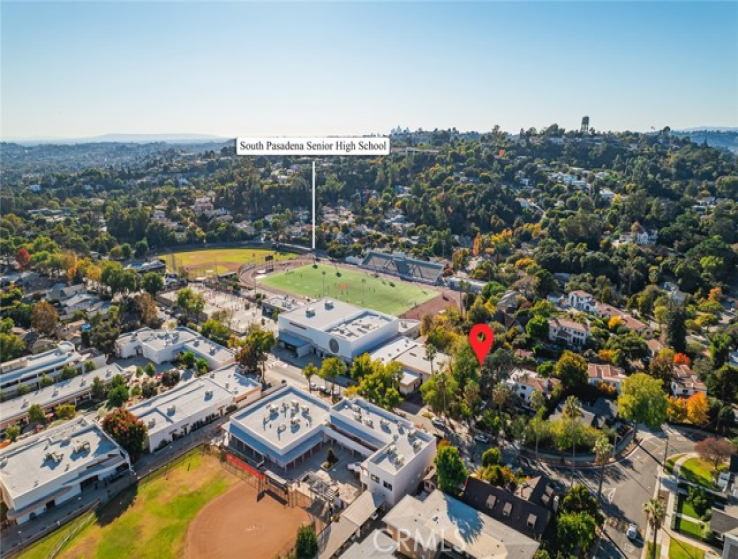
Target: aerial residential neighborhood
<point x="369" y="280"/>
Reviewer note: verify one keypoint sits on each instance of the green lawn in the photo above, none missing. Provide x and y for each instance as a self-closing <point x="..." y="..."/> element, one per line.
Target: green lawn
<point x="669" y="466"/>
<point x="220" y="261"/>
<point x="698" y="471"/>
<point x="148" y="521"/>
<point x="688" y="509"/>
<point x="690" y="528"/>
<point x="649" y="550"/>
<point x="391" y="296"/>
<point x="679" y="549"/>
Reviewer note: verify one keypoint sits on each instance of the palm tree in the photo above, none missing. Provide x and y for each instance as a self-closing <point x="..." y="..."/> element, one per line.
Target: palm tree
<point x="603" y="449"/>
<point x="308" y="373"/>
<point x="573" y="411"/>
<point x="430" y="354"/>
<point x="499" y="396"/>
<point x="656" y="512"/>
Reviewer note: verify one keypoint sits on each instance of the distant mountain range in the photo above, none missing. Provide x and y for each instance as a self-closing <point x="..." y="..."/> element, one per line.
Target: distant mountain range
<point x="721" y="138"/>
<point x="124" y="139"/>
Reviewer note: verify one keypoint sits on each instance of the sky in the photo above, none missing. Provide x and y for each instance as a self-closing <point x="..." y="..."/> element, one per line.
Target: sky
<point x="81" y="69"/>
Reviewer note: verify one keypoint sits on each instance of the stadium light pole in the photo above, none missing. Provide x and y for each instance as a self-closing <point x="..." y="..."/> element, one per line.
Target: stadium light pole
<point x="313" y="207"/>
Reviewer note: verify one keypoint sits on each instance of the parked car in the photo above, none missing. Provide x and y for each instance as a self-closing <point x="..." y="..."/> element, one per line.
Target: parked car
<point x="314" y="386"/>
<point x="481" y="438"/>
<point x="438" y="422"/>
<point x="632" y="532"/>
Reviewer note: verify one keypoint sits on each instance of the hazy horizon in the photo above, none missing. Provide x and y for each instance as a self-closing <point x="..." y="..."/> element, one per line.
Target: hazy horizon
<point x="78" y="70"/>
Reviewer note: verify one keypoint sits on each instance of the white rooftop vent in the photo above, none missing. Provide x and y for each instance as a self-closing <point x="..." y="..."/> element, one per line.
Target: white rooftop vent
<point x="411" y="432"/>
<point x="328" y="304"/>
<point x="208" y="393"/>
<point x="383" y="422"/>
<point x="369" y="422"/>
<point x="310" y="311"/>
<point x="400" y="460"/>
<point x="356" y="408"/>
<point x="152" y="422"/>
<point x="295" y="421"/>
<point x="171" y="409"/>
<point x="416" y="444"/>
<point x="281" y="427"/>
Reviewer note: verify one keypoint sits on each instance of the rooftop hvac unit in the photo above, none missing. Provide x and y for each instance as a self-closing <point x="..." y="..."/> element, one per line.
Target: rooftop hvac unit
<point x="310" y="311"/>
<point x="416" y="444"/>
<point x="281" y="427"/>
<point x="152" y="422"/>
<point x="395" y="437"/>
<point x="400" y="460"/>
<point x="328" y="304"/>
<point x="295" y="421"/>
<point x="81" y="446"/>
<point x="356" y="408"/>
<point x="391" y="449"/>
<point x="171" y="410"/>
<point x="369" y="422"/>
<point x="208" y="393"/>
<point x="383" y="422"/>
<point x="411" y="432"/>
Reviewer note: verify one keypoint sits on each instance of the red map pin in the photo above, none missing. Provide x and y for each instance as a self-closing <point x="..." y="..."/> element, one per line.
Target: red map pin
<point x="481" y="339"/>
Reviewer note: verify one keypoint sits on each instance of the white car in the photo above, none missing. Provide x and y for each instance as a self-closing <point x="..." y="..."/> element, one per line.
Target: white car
<point x="632" y="532"/>
<point x="481" y="438"/>
<point x="438" y="422"/>
<point x="314" y="386"/>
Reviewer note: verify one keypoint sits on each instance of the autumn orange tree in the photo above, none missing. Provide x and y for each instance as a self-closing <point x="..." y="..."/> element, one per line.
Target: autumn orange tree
<point x="697" y="408"/>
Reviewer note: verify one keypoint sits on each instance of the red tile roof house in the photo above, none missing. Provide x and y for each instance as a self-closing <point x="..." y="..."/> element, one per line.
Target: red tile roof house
<point x="609" y="374"/>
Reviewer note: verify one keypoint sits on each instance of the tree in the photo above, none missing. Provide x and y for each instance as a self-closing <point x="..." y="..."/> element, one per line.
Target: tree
<point x="65" y="411"/>
<point x="89" y="366"/>
<point x="149" y="390"/>
<point x="331" y="368"/>
<point x="23" y="258"/>
<point x="11" y="346"/>
<point x="150" y="369"/>
<point x="655" y="510"/>
<point x="676" y="409"/>
<point x="602" y="449"/>
<point x="720" y="346"/>
<point x="44" y="318"/>
<point x="254" y="349"/>
<point x="170" y="378"/>
<point x="439" y="392"/>
<point x="190" y="302"/>
<point x="45" y="381"/>
<point x="148" y="309"/>
<point x="572" y="411"/>
<point x="22" y="390"/>
<point x="713" y="450"/>
<point x="451" y="470"/>
<point x="98" y="389"/>
<point x="12" y="432"/>
<point x="723" y="384"/>
<point x="36" y="414"/>
<point x="202" y="366"/>
<point x="152" y="283"/>
<point x="309" y="372"/>
<point x="576" y="530"/>
<point x="216" y="331"/>
<point x="571" y="370"/>
<point x="381" y="385"/>
<point x="662" y="366"/>
<point x="697" y="409"/>
<point x="68" y="372"/>
<point x="676" y="329"/>
<point x="491" y="457"/>
<point x="579" y="499"/>
<point x="306" y="544"/>
<point x="142" y="247"/>
<point x="127" y="431"/>
<point x="500" y="395"/>
<point x="118" y="396"/>
<point x="187" y="359"/>
<point x="642" y="401"/>
<point x="537" y="327"/>
<point x="430" y="355"/>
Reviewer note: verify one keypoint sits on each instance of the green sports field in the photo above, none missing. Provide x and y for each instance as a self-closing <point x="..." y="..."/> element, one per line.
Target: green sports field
<point x="219" y="261"/>
<point x="391" y="296"/>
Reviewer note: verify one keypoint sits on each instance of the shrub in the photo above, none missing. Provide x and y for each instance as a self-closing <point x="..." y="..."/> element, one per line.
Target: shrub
<point x="491" y="457"/>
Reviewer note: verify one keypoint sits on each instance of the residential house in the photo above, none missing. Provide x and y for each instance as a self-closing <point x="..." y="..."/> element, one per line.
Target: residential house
<point x="524" y="383"/>
<point x="685" y="382"/>
<point x="582" y="301"/>
<point x="423" y="528"/>
<point x="607" y="374"/>
<point x="567" y="332"/>
<point x="526" y="510"/>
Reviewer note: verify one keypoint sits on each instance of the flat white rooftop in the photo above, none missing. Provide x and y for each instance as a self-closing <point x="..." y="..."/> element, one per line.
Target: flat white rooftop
<point x="361" y="325"/>
<point x="327" y="314"/>
<point x="35" y="364"/>
<point x="396" y="439"/>
<point x="61" y="391"/>
<point x="411" y="354"/>
<point x="42" y="459"/>
<point x="280" y="421"/>
<point x="181" y="337"/>
<point x="181" y="403"/>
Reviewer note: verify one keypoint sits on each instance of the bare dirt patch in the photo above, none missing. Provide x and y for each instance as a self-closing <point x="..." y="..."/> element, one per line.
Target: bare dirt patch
<point x="237" y="525"/>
